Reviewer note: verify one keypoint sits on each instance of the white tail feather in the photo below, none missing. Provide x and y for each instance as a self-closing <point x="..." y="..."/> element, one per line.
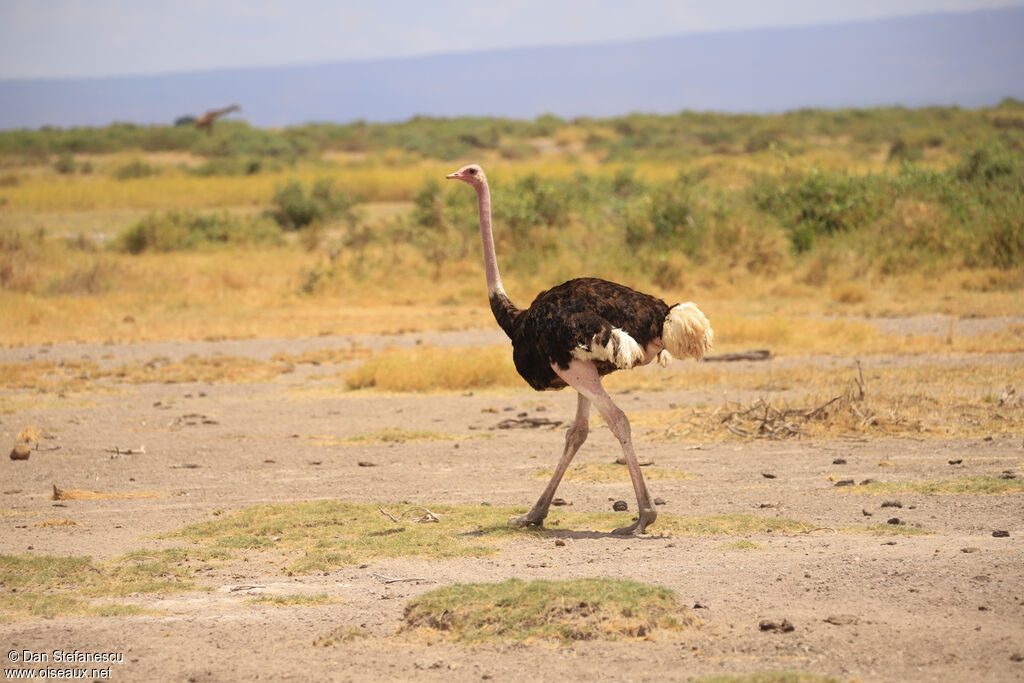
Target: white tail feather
<point x="686" y="332"/>
<point x="621" y="350"/>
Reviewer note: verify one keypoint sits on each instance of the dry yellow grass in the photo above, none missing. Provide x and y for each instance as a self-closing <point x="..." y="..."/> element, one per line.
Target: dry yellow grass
<point x="84" y="494"/>
<point x="58" y="523"/>
<point x="932" y="400"/>
<point x="433" y="369"/>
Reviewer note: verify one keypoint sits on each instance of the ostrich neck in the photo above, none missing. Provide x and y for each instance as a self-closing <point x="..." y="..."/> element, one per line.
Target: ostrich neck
<point x="483" y="195"/>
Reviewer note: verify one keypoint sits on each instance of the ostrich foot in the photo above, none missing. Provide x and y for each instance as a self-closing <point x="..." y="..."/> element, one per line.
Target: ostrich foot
<point x="639" y="526"/>
<point x="525" y="520"/>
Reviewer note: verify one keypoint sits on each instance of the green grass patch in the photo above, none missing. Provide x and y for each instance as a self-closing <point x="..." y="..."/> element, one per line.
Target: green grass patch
<point x="600" y="471"/>
<point x="321" y="535"/>
<point x="566" y="611"/>
<point x="294" y="600"/>
<point x="50" y="585"/>
<point x="968" y="485"/>
<point x="881" y="528"/>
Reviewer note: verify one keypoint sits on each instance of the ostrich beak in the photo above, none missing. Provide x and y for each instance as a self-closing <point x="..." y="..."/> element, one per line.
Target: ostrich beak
<point x="453" y="176"/>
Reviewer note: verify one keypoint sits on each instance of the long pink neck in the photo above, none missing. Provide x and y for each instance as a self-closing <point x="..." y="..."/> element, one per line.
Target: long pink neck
<point x="483" y="195"/>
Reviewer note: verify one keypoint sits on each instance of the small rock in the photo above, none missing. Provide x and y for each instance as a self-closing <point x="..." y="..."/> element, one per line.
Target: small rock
<point x="956" y="462"/>
<point x="1017" y="657"/>
<point x="1001" y="534"/>
<point x="21" y="451"/>
<point x="894" y="520"/>
<point x="845" y="482"/>
<point x="768" y="475"/>
<point x="1007" y="474"/>
<point x="866" y="513"/>
<point x="620" y="506"/>
<point x="362" y="463"/>
<point x="557" y="502"/>
<point x="659" y="501"/>
<point x="969" y="550"/>
<point x="559" y="543"/>
<point x="698" y="605"/>
<point x="783" y="626"/>
<point x="866" y="482"/>
<point x="892" y="504"/>
<point x="839" y="461"/>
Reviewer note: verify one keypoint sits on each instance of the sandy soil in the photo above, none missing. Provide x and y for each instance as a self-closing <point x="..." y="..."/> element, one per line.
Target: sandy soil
<point x="947" y="606"/>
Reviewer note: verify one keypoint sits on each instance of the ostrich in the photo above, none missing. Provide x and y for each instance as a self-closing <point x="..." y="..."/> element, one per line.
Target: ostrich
<point x="576" y="332"/>
<point x="206" y="120"/>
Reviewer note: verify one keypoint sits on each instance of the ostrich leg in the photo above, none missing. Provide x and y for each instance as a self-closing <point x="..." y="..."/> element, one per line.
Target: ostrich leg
<point x="574" y="438"/>
<point x="582" y="376"/>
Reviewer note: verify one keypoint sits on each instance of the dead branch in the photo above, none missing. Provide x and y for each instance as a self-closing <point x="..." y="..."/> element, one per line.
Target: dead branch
<point x="427" y="516"/>
<point x="390" y="579"/>
<point x="117" y="450"/>
<point x="755" y="354"/>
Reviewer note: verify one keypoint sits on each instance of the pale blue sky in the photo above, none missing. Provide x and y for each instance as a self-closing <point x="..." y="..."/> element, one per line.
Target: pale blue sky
<point x="74" y="38"/>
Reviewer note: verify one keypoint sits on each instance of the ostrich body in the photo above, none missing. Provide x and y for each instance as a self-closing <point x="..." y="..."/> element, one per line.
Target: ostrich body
<point x="572" y="335"/>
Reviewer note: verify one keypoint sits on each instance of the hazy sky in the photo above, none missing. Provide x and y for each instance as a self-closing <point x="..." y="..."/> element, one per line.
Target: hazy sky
<point x="61" y="38"/>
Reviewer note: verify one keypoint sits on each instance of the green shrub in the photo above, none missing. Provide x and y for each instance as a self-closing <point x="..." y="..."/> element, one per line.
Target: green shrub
<point x="135" y="169"/>
<point x="293" y="208"/>
<point x="818" y="203"/>
<point x="179" y="230"/>
<point x="65" y="164"/>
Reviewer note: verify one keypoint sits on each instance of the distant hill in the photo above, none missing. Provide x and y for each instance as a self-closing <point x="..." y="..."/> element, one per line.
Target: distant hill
<point x="970" y="60"/>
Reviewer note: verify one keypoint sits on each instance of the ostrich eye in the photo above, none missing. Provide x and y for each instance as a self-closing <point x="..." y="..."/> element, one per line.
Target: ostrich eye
<point x="472" y="171"/>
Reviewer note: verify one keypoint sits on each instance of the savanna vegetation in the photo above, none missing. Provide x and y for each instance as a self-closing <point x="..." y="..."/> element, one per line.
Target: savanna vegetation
<point x="145" y="232"/>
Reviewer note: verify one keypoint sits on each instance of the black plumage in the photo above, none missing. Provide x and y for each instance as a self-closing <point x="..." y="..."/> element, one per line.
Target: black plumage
<point x="575" y="315"/>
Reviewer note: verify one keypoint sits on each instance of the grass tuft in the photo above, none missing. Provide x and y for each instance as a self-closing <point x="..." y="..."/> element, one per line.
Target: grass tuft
<point x="50" y="585"/>
<point x="433" y="369"/>
<point x="294" y="600"/>
<point x="325" y="534"/>
<point x="566" y="611"/>
<point x="980" y="485"/>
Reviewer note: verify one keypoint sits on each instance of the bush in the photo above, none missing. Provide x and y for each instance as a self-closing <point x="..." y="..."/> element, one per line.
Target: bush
<point x="176" y="231"/>
<point x="135" y="169"/>
<point x="65" y="164"/>
<point x="294" y="208"/>
<point x="232" y="166"/>
<point x="817" y="203"/>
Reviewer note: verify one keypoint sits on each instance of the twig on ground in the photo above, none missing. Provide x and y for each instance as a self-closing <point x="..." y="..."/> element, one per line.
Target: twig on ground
<point x="427" y="516"/>
<point x="390" y="579"/>
<point x="117" y="450"/>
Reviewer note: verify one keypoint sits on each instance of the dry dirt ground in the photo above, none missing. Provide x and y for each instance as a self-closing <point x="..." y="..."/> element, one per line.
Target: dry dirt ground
<point x="945" y="606"/>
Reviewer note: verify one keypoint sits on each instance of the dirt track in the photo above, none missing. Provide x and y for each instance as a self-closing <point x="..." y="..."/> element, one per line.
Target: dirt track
<point x="913" y="607"/>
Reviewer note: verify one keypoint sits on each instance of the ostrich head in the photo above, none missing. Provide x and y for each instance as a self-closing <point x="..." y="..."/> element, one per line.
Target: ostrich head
<point x="471" y="175"/>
